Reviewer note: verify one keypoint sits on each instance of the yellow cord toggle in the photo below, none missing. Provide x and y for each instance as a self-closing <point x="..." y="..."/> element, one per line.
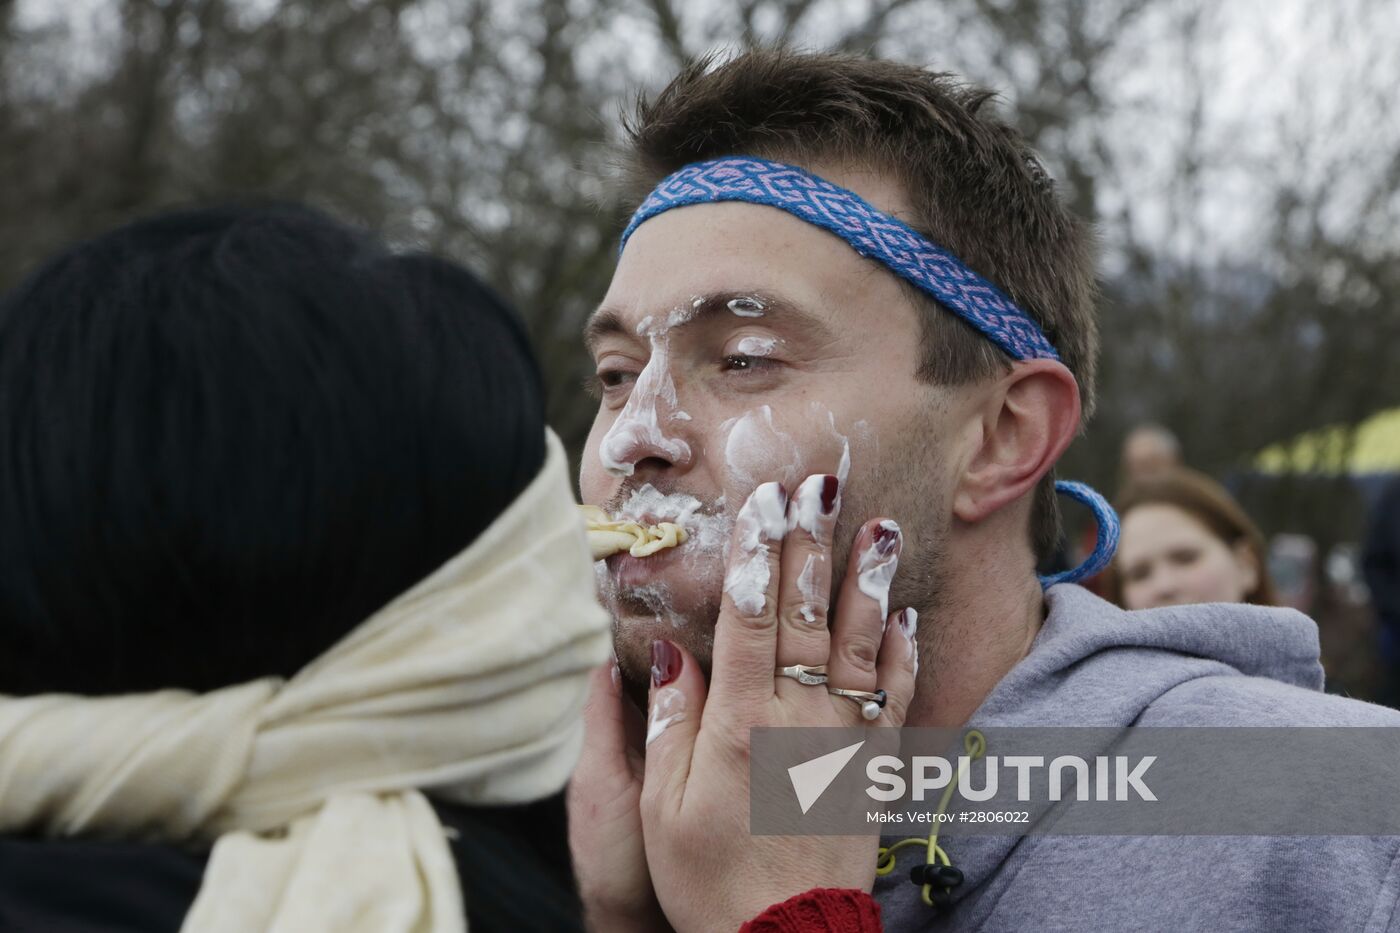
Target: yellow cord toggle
<point x="975" y="745"/>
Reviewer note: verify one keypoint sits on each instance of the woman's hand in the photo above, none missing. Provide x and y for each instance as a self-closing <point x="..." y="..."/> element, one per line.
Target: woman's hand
<point x="605" y="825"/>
<point x="708" y="871"/>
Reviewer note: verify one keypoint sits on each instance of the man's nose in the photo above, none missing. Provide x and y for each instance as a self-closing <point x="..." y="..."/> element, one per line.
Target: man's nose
<point x="639" y="445"/>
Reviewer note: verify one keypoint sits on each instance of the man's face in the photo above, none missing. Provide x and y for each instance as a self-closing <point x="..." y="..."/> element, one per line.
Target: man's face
<point x="739" y="345"/>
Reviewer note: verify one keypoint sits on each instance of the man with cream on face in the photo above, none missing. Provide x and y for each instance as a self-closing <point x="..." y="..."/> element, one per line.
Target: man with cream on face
<point x="850" y="333"/>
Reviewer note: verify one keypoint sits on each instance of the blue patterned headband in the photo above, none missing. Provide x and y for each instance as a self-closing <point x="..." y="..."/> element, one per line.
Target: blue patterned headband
<point x="870" y="232"/>
<point x="901" y="249"/>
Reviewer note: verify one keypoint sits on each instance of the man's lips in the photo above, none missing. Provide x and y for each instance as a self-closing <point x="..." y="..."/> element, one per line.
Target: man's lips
<point x="637" y="571"/>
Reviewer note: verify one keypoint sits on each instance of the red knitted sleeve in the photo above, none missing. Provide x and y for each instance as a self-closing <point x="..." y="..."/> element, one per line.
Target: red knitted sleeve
<point x="820" y="910"/>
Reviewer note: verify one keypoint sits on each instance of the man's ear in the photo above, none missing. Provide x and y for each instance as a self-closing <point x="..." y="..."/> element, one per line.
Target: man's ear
<point x="1026" y="424"/>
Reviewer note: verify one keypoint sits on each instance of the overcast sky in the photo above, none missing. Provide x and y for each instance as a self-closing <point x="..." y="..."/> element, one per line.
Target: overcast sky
<point x="1301" y="90"/>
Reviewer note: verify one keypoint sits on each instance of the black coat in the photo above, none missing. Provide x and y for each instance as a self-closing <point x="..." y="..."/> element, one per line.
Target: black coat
<point x="513" y="862"/>
<point x="1381" y="557"/>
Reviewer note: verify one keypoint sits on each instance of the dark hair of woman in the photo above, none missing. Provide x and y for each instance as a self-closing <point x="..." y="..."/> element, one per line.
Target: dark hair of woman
<point x="228" y="436"/>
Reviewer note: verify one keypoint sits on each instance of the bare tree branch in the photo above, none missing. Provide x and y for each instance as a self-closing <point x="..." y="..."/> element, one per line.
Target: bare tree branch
<point x="668" y="27"/>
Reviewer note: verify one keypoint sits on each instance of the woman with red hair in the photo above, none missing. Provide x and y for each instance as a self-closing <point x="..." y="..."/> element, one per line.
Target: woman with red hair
<point x="1186" y="540"/>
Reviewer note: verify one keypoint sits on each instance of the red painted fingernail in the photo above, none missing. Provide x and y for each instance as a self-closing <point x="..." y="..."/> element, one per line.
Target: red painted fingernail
<point x="830" y="486"/>
<point x="886" y="536"/>
<point x="665" y="662"/>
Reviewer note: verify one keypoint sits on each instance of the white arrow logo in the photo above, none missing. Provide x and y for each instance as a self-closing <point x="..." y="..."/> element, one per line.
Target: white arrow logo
<point x="811" y="778"/>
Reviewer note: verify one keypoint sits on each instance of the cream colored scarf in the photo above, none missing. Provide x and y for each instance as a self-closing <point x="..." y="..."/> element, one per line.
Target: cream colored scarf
<point x="469" y="685"/>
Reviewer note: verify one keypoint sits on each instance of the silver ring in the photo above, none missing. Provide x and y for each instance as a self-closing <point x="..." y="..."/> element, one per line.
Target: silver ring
<point x="870" y="703"/>
<point x="813" y="675"/>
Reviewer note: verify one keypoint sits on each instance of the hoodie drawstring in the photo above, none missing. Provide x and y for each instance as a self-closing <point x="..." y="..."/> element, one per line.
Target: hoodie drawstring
<point x="937" y="870"/>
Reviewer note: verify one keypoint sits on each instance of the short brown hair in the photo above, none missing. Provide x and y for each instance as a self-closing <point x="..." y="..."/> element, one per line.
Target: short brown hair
<point x="1207" y="502"/>
<point x="974" y="186"/>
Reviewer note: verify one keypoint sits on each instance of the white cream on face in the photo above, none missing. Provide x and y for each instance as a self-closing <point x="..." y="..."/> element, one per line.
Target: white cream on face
<point x="877" y="565"/>
<point x="667" y="708"/>
<point x="761" y="520"/>
<point x="755" y="448"/>
<point x="707" y="531"/>
<point x="657" y="598"/>
<point x="843" y="469"/>
<point x="757" y="346"/>
<point x="649" y="504"/>
<point x="746" y="307"/>
<point x="909" y="627"/>
<point x="807" y="587"/>
<point x="699" y="558"/>
<point x="651" y="401"/>
<point x="603" y="584"/>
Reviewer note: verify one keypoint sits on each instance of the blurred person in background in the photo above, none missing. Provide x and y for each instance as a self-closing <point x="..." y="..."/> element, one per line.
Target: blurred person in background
<point x="1380" y="563"/>
<point x="296" y="609"/>
<point x="1149" y="450"/>
<point x="1186" y="540"/>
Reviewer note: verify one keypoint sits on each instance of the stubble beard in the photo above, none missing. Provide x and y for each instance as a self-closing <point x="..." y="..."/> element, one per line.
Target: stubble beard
<point x="910" y="496"/>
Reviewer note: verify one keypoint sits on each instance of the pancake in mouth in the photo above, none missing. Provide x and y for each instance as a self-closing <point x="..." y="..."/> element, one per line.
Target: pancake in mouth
<point x="608" y="536"/>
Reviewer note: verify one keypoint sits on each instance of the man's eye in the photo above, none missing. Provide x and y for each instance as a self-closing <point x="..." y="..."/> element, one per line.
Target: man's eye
<point x="612" y="378"/>
<point x="604" y="382"/>
<point x="742" y="362"/>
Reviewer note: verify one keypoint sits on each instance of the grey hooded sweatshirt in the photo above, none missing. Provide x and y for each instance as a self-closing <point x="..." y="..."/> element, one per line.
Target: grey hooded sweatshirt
<point x="1094" y="664"/>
